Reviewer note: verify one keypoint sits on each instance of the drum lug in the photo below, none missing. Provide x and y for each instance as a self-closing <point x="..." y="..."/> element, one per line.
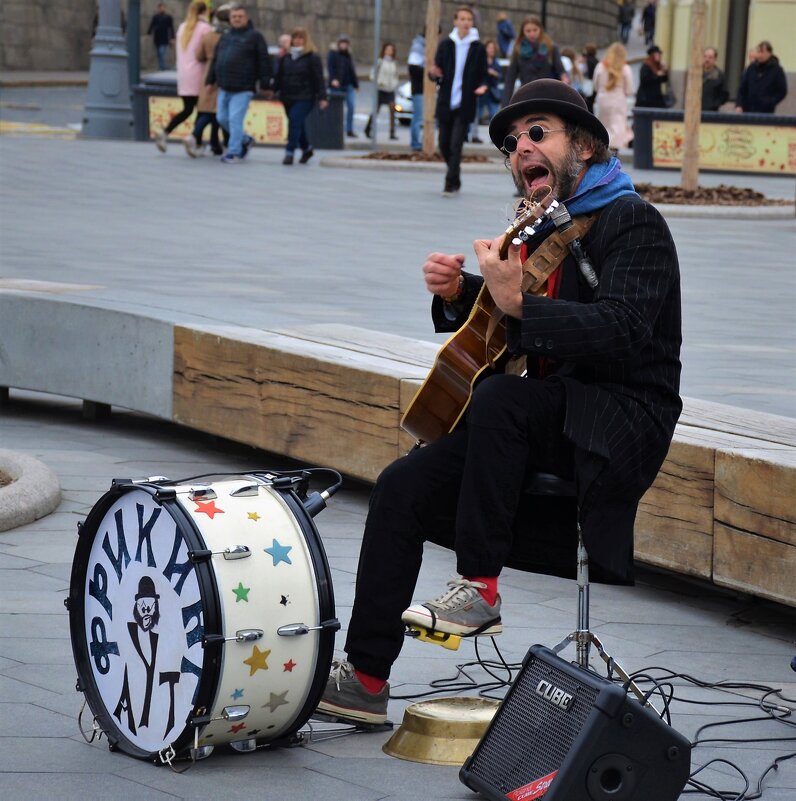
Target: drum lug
<point x="202" y="493"/>
<point x="250" y="490"/>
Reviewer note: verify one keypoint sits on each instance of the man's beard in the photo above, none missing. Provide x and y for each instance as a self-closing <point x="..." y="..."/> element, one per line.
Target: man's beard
<point x="562" y="179"/>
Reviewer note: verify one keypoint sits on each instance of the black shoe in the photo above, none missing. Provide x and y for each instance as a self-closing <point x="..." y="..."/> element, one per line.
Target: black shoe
<point x="248" y="141"/>
<point x="306" y="156"/>
<point x="287" y="160"/>
<point x="477" y="141"/>
<point x="353" y="135"/>
<point x="393" y="136"/>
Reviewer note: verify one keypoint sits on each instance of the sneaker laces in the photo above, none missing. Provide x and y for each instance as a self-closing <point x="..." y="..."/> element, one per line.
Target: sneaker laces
<point x="461" y="590"/>
<point x="341" y="670"/>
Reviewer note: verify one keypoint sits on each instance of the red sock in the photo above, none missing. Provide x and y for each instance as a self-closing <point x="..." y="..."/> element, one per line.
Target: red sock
<point x="370" y="683"/>
<point x="489" y="593"/>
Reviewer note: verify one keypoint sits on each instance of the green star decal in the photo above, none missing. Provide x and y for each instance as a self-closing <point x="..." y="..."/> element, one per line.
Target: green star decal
<point x="241" y="592"/>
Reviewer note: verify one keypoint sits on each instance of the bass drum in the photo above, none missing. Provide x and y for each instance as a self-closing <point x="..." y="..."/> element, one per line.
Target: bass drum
<point x="201" y="613"/>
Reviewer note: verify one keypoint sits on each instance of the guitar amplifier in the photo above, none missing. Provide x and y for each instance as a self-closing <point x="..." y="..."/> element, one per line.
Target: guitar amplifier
<point x="565" y="734"/>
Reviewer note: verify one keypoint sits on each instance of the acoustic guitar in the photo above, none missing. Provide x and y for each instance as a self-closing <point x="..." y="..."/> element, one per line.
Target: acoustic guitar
<point x="445" y="394"/>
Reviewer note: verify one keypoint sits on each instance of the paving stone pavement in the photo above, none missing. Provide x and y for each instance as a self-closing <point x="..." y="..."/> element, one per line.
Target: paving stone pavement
<point x="662" y="621"/>
<point x="273" y="247"/>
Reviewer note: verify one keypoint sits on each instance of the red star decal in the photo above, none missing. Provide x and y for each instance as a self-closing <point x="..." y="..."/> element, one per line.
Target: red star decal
<point x="237" y="727"/>
<point x="288" y="666"/>
<point x="209" y="508"/>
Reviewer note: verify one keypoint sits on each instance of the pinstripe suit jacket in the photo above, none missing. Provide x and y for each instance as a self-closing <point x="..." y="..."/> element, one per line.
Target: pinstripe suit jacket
<point x="617" y="351"/>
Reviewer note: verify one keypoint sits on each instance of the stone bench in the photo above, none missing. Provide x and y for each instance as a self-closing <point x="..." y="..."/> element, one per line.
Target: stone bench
<point x="721" y="508"/>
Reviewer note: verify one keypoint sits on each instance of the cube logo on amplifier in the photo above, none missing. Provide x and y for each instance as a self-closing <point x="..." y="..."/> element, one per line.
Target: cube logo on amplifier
<point x="555" y="695"/>
<point x="565" y="734"/>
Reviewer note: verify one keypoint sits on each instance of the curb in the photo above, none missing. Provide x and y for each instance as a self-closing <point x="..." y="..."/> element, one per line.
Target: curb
<point x="787" y="212"/>
<point x="35" y="493"/>
<point x="359" y="163"/>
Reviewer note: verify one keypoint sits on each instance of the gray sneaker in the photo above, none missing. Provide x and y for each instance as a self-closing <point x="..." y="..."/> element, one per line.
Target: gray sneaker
<point x="461" y="610"/>
<point x="346" y="698"/>
<point x="161" y="140"/>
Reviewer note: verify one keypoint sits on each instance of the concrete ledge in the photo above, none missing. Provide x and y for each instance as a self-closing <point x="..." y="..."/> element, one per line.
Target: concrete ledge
<point x="35" y="493"/>
<point x="720" y="509"/>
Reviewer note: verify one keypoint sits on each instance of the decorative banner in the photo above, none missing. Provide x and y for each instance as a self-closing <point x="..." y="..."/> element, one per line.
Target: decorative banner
<point x="743" y="147"/>
<point x="266" y="120"/>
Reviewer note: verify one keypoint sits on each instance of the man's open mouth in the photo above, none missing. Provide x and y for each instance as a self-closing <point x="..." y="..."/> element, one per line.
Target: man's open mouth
<point x="535" y="175"/>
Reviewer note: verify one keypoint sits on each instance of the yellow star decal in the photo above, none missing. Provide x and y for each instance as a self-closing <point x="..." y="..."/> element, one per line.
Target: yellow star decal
<point x="254" y="516"/>
<point x="257" y="660"/>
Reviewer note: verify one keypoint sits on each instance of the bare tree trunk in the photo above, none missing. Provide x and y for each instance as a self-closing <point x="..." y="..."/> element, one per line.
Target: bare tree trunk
<point x="429" y="87"/>
<point x="692" y="112"/>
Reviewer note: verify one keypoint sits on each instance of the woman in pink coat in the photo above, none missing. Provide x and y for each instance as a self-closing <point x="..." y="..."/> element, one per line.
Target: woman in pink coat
<point x="190" y="71"/>
<point x="613" y="84"/>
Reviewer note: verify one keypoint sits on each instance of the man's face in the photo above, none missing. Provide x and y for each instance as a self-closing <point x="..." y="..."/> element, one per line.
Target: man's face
<point x="342" y="46"/>
<point x="238" y="18"/>
<point x="463" y="22"/>
<point x="552" y="162"/>
<point x="709" y="61"/>
<point x="762" y="55"/>
<point x="146" y="608"/>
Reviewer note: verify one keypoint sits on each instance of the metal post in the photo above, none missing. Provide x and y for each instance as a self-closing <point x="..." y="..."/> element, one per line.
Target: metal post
<point x="374" y="125"/>
<point x="108" y="114"/>
<point x="582" y="643"/>
<point x="134" y="40"/>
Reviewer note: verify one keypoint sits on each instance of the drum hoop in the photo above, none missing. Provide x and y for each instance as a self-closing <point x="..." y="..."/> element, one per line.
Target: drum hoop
<point x="211" y="609"/>
<point x="320" y="565"/>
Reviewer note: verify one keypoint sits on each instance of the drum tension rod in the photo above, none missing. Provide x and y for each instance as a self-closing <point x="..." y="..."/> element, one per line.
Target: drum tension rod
<point x="233" y="552"/>
<point x="242" y="635"/>
<point x="295" y="629"/>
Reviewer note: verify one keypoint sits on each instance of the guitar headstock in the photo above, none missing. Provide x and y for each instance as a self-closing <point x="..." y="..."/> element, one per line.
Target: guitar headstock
<point x="530" y="212"/>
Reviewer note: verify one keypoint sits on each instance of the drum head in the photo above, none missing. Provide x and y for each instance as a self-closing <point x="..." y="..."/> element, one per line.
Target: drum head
<point x="138" y="609"/>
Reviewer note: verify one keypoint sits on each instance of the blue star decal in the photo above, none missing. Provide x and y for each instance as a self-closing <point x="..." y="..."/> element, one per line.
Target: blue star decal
<point x="237" y="694"/>
<point x="279" y="553"/>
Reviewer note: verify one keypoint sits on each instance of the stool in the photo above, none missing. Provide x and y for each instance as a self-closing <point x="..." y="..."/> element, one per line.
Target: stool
<point x="551" y="485"/>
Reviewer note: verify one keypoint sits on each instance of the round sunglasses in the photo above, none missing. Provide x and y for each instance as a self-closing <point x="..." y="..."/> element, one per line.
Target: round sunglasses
<point x="535" y="133"/>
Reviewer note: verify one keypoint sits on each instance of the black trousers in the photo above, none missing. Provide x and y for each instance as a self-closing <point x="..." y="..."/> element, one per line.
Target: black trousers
<point x="188" y="105"/>
<point x="452" y="132"/>
<point x="462" y="492"/>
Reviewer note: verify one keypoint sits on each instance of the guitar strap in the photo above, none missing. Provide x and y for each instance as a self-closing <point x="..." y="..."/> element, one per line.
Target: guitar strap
<point x="538" y="267"/>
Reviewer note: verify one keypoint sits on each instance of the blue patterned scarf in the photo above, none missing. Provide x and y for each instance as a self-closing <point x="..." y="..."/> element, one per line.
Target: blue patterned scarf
<point x="601" y="184"/>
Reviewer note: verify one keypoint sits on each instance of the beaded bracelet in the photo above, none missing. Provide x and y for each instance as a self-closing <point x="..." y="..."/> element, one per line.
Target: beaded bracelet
<point x="457" y="294"/>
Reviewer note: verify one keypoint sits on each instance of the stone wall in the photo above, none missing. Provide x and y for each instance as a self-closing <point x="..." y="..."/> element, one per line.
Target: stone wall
<point x="45" y="34"/>
<point x="56" y="34"/>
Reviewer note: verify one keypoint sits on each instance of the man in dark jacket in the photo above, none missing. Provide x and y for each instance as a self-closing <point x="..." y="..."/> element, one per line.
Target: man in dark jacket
<point x="343" y="79"/>
<point x="714" y="88"/>
<point x="161" y="29"/>
<point x="590" y="393"/>
<point x="240" y="61"/>
<point x="460" y="69"/>
<point x="763" y="83"/>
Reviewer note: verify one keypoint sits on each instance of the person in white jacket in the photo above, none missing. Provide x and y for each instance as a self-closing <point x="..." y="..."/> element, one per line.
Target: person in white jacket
<point x="385" y="74"/>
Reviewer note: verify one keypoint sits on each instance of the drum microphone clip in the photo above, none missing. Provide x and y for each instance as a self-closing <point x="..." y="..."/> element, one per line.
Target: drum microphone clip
<point x="315" y="503"/>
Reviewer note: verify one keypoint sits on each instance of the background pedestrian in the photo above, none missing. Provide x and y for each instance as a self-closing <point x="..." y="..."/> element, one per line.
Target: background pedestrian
<point x="613" y="83"/>
<point x="190" y="71"/>
<point x="385" y="74"/>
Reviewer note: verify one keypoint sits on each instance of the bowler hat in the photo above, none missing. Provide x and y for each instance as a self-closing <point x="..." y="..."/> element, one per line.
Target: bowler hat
<point x="146" y="589"/>
<point x="545" y="95"/>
